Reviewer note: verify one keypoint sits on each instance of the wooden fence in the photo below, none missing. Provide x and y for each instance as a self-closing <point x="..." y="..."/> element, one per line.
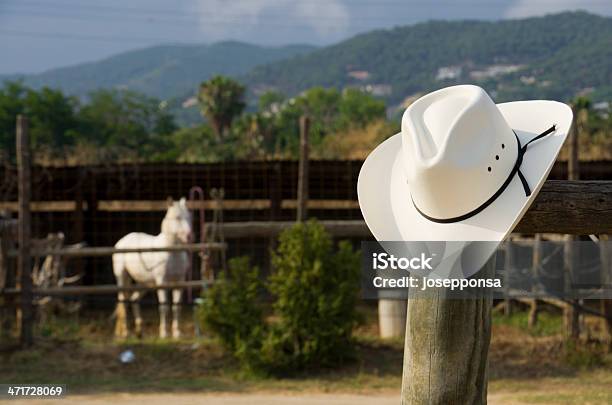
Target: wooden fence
<point x="570" y="207"/>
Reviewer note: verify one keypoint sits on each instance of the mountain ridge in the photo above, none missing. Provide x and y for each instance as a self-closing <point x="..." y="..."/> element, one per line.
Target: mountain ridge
<point x="557" y="56"/>
<point x="162" y="71"/>
<point x="554" y="56"/>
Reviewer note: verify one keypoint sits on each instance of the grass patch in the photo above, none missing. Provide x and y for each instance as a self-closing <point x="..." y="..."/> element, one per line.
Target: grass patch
<point x="528" y="367"/>
<point x="187" y="365"/>
<point x="583" y="356"/>
<point x="548" y="324"/>
<point x="587" y="387"/>
<point x="60" y="328"/>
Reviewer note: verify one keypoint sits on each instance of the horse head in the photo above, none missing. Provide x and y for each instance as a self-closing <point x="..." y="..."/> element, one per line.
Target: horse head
<point x="177" y="221"/>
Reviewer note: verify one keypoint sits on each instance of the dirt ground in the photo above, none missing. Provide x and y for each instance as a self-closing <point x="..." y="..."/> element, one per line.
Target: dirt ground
<point x="525" y="368"/>
<point x="232" y="399"/>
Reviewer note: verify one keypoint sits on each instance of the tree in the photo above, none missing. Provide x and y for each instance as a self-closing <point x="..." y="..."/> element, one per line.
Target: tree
<point x="581" y="107"/>
<point x="200" y="145"/>
<point x="270" y="101"/>
<point x="11" y="103"/>
<point x="255" y="133"/>
<point x="357" y="108"/>
<point x="330" y="112"/>
<point x="128" y="122"/>
<point x="221" y="100"/>
<point x="52" y="117"/>
<point x="53" y="123"/>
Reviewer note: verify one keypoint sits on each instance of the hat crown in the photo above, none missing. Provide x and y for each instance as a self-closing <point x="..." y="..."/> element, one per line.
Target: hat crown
<point x="457" y="150"/>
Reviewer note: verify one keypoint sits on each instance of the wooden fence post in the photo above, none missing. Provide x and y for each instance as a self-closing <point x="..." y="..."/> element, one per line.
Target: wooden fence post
<point x="26" y="313"/>
<point x="302" y="198"/>
<point x="509" y="261"/>
<point x="4" y="318"/>
<point x="606" y="280"/>
<point x="276" y="200"/>
<point x="78" y="225"/>
<point x="535" y="263"/>
<point x="570" y="314"/>
<point x="446" y="348"/>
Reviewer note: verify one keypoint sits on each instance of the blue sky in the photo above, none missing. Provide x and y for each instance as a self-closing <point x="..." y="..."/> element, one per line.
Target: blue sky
<point x="36" y="35"/>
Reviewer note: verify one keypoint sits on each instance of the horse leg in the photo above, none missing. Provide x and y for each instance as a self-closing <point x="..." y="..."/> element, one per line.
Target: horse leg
<point x="162" y="297"/>
<point x="135" y="299"/>
<point x="123" y="279"/>
<point x="121" y="329"/>
<point x="176" y="312"/>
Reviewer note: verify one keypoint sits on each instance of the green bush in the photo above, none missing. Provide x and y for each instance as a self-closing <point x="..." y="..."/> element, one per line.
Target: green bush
<point x="232" y="311"/>
<point x="315" y="293"/>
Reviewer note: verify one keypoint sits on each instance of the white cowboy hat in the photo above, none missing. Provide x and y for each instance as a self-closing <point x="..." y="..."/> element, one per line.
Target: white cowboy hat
<point x="462" y="168"/>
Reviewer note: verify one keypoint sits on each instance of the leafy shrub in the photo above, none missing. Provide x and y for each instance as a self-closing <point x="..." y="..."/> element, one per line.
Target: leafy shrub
<point x="315" y="293"/>
<point x="232" y="311"/>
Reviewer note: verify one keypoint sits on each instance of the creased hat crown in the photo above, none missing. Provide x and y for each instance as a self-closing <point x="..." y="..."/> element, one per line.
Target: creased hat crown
<point x="457" y="150"/>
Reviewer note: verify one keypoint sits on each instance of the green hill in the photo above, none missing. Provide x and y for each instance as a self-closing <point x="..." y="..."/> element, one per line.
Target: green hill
<point x="162" y="71"/>
<point x="556" y="56"/>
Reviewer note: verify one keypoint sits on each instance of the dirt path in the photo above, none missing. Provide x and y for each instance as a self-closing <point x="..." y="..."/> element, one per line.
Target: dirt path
<point x="238" y="399"/>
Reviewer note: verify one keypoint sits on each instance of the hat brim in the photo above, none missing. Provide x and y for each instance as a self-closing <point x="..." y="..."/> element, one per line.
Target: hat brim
<point x="384" y="196"/>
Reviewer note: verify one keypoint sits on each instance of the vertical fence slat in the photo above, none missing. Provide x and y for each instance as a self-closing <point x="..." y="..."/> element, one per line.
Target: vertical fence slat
<point x="570" y="314"/>
<point x="303" y="179"/>
<point x="26" y="313"/>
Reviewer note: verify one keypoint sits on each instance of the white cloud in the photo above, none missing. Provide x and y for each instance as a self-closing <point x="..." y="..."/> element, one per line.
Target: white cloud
<point x="529" y="8"/>
<point x="220" y="19"/>
<point x="326" y="18"/>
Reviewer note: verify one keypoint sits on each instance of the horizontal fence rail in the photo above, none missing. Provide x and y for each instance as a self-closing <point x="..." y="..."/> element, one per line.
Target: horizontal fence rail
<point x="329" y="179"/>
<point x="270" y="229"/>
<point x="108" y="251"/>
<point x="568" y="207"/>
<point x="159" y="206"/>
<point x="108" y="289"/>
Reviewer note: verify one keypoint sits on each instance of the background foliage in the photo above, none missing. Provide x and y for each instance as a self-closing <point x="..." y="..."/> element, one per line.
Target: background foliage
<point x="316" y="292"/>
<point x="232" y="309"/>
<point x="115" y="126"/>
<point x="314" y="289"/>
<point x="562" y="57"/>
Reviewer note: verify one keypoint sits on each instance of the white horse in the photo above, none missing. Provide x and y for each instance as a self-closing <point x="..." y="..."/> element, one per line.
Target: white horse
<point x="154" y="268"/>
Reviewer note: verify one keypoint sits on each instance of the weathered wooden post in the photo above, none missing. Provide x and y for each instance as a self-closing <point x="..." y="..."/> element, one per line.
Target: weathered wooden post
<point x="606" y="281"/>
<point x="535" y="263"/>
<point x="446" y="349"/>
<point x="78" y="224"/>
<point x="25" y="313"/>
<point x="276" y="199"/>
<point x="508" y="262"/>
<point x="302" y="195"/>
<point x="570" y="315"/>
<point x="5" y="230"/>
<point x="573" y="162"/>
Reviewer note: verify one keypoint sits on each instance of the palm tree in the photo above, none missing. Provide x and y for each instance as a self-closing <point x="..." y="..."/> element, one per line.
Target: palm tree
<point x="221" y="100"/>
